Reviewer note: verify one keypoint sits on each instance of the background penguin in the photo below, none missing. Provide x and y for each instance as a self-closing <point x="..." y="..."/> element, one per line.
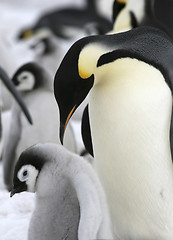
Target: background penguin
<point x="129" y="79"/>
<point x="143" y="13"/>
<point x="11" y="88"/>
<point x="36" y="88"/>
<point x="67" y="22"/>
<point x="70" y="202"/>
<point x="9" y="85"/>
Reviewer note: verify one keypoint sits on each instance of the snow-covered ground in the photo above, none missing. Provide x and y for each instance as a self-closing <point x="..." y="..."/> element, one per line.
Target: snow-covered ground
<point x="15" y="212"/>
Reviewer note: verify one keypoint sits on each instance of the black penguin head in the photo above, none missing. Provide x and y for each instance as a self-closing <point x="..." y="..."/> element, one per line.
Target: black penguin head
<point x="27" y="170"/>
<point x="69" y="88"/>
<point x="30" y="76"/>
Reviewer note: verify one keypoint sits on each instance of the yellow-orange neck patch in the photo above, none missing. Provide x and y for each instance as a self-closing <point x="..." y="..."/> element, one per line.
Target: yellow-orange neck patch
<point x="122" y="1"/>
<point x="27" y="34"/>
<point x="83" y="74"/>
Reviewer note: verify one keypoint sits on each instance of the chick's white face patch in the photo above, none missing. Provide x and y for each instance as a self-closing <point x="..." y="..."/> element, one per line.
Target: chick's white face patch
<point x="26" y="81"/>
<point x="28" y="174"/>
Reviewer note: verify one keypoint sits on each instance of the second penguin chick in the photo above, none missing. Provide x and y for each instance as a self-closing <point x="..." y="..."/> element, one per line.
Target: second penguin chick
<point x="35" y="85"/>
<point x="70" y="202"/>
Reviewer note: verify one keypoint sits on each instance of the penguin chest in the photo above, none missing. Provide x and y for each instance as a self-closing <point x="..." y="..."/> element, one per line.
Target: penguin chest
<point x="130" y="114"/>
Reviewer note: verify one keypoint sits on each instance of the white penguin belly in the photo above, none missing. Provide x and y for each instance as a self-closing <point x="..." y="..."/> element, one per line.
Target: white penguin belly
<point x="130" y="113"/>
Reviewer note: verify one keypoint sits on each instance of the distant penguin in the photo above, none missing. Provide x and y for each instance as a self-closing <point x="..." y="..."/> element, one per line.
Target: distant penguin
<point x="35" y="85"/>
<point x="129" y="79"/>
<point x="70" y="202"/>
<point x="136" y="13"/>
<point x="67" y="22"/>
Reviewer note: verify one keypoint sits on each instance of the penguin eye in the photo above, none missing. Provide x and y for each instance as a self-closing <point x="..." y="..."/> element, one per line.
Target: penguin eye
<point x="24" y="77"/>
<point x="23" y="174"/>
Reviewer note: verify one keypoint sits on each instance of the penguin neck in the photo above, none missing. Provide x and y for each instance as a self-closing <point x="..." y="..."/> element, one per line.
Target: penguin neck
<point x="130" y="112"/>
<point x="123" y="22"/>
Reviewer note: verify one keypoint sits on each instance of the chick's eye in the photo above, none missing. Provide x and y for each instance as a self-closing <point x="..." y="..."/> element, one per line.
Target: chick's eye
<point x="25" y="173"/>
<point x="25" y="77"/>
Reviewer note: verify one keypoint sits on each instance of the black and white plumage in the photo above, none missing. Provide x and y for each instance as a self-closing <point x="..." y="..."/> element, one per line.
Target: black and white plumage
<point x="129" y="80"/>
<point x="70" y="202"/>
<point x="35" y="85"/>
<point x="133" y="13"/>
<point x="67" y="22"/>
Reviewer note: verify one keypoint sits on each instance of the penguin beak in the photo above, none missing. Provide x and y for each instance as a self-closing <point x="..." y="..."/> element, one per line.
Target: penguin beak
<point x="18" y="189"/>
<point x="63" y="126"/>
<point x="8" y="83"/>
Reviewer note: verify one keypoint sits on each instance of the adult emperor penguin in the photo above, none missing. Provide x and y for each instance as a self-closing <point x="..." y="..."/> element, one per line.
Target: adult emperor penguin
<point x="129" y="80"/>
<point x="69" y="21"/>
<point x="36" y="88"/>
<point x="128" y="14"/>
<point x="70" y="201"/>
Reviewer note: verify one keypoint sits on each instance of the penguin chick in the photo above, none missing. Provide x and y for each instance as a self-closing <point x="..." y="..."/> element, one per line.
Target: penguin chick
<point x="35" y="85"/>
<point x="70" y="202"/>
<point x="10" y="86"/>
<point x="128" y="78"/>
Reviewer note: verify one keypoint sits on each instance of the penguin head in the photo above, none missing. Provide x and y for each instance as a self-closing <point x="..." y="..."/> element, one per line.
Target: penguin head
<point x="70" y="87"/>
<point x="10" y="86"/>
<point x="24" y="81"/>
<point x="30" y="76"/>
<point x="27" y="170"/>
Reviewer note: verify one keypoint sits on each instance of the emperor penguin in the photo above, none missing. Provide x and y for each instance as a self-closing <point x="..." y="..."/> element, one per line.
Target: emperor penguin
<point x="36" y="88"/>
<point x="70" y="201"/>
<point x="69" y="21"/>
<point x="128" y="14"/>
<point x="128" y="77"/>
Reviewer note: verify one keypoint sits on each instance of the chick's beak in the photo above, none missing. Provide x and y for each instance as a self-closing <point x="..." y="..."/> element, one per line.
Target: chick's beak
<point x="18" y="189"/>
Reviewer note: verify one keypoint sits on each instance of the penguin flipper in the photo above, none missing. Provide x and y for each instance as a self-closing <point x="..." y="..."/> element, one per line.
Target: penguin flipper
<point x="86" y="131"/>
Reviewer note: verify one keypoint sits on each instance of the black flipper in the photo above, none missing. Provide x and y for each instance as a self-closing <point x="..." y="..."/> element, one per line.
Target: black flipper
<point x="86" y="131"/>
